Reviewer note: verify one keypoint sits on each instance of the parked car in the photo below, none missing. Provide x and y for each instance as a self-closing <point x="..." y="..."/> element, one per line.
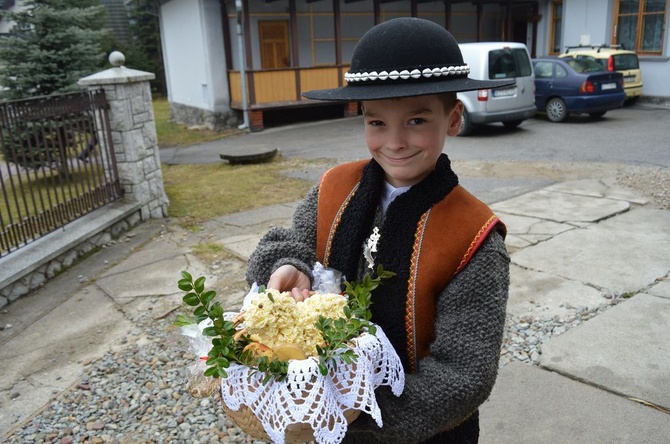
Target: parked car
<point x="613" y="58"/>
<point x="565" y="86"/>
<point x="510" y="105"/>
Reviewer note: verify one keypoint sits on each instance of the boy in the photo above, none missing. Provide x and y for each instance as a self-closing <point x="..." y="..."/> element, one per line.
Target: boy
<point x="444" y="310"/>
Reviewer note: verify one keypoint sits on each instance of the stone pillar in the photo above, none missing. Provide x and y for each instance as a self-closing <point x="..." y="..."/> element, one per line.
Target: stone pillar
<point x="133" y="129"/>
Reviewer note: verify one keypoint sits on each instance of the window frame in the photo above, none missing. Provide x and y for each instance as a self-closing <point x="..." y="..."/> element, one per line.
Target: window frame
<point x="556" y="23"/>
<point x="639" y="31"/>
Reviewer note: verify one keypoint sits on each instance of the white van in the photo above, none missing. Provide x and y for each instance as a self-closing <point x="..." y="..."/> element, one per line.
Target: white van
<point x="509" y="105"/>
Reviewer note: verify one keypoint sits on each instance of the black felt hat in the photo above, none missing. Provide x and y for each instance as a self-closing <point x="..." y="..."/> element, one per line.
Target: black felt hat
<point x="405" y="57"/>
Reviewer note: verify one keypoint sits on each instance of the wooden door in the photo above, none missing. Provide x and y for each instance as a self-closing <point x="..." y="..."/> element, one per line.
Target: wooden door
<point x="274" y="42"/>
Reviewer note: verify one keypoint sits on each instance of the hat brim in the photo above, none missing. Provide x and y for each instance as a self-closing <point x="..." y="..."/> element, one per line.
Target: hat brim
<point x="378" y="91"/>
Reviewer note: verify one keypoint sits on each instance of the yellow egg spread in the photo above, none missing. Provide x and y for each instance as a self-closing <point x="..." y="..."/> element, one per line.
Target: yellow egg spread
<point x="275" y="318"/>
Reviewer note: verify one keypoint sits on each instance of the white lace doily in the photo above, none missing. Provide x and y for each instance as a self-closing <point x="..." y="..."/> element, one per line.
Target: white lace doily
<point x="308" y="397"/>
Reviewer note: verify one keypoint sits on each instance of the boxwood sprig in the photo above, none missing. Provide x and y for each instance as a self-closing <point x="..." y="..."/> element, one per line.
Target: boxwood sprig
<point x="224" y="348"/>
<point x="338" y="334"/>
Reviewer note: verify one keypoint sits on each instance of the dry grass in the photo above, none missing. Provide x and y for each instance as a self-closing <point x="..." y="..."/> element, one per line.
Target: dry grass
<point x="199" y="193"/>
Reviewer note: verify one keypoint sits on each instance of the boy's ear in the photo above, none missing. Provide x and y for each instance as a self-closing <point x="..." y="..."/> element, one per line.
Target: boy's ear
<point x="455" y="117"/>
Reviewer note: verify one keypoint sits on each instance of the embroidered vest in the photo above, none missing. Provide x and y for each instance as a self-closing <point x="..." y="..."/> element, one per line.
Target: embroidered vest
<point x="435" y="259"/>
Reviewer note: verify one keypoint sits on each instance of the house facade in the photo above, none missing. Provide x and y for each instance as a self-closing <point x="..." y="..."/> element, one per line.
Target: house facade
<point x="230" y="58"/>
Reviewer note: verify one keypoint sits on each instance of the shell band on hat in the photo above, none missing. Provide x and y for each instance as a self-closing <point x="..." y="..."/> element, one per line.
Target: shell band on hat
<point x="415" y="74"/>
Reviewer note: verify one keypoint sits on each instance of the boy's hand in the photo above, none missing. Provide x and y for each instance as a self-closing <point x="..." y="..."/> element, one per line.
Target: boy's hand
<point x="289" y="278"/>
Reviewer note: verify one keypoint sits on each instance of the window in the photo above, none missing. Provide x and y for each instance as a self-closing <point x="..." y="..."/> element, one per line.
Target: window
<point x="639" y="25"/>
<point x="544" y="70"/>
<point x="556" y="26"/>
<point x="584" y="64"/>
<point x="561" y="72"/>
<point x="509" y="63"/>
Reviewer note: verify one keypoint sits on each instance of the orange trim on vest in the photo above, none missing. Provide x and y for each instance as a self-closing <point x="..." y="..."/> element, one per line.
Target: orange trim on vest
<point x="493" y="222"/>
<point x="446" y="238"/>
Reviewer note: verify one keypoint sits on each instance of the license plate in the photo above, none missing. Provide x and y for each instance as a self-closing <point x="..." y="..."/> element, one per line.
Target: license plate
<point x="629" y="79"/>
<point x="504" y="92"/>
<point x="608" y="86"/>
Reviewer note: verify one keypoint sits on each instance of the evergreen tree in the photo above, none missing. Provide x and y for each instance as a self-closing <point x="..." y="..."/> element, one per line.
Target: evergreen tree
<point x="145" y="52"/>
<point x="52" y="45"/>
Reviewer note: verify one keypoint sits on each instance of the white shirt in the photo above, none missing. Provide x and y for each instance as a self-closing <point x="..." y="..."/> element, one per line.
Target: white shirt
<point x="390" y="193"/>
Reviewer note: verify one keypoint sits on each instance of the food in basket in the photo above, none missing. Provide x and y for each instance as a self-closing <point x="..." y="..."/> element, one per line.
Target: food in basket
<point x="286" y="352"/>
<point x="259" y="350"/>
<point x="274" y="318"/>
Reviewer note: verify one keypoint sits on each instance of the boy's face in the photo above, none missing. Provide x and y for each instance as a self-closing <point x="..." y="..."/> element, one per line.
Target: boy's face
<point x="406" y="136"/>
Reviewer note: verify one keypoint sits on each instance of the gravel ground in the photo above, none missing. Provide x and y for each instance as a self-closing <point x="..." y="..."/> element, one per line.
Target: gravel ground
<point x="137" y="394"/>
<point x="653" y="183"/>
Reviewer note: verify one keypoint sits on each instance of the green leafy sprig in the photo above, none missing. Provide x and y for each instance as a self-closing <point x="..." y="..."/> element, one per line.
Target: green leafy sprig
<point x="337" y="333"/>
<point x="224" y="348"/>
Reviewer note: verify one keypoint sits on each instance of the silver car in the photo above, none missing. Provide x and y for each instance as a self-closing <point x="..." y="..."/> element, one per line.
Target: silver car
<point x="509" y="105"/>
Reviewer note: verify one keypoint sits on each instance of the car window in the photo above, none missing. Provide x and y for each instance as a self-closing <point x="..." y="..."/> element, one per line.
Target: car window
<point x="584" y="65"/>
<point x="625" y="61"/>
<point x="509" y="63"/>
<point x="561" y="72"/>
<point x="544" y="70"/>
<point x="601" y="62"/>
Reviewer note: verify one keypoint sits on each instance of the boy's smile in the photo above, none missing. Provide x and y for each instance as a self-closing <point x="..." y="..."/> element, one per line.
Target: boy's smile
<point x="406" y="136"/>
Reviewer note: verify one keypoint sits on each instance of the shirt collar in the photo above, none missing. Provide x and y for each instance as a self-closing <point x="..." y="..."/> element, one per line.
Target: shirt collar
<point x="390" y="193"/>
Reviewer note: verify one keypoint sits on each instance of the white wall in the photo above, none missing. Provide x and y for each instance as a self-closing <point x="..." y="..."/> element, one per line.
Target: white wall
<point x="587" y="22"/>
<point x="655" y="74"/>
<point x="194" y="55"/>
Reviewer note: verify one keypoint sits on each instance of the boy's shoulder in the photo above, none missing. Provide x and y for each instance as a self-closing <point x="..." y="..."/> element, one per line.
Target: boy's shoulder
<point x="345" y="172"/>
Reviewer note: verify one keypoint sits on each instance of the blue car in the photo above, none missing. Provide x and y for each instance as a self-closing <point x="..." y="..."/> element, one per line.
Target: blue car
<point x="575" y="86"/>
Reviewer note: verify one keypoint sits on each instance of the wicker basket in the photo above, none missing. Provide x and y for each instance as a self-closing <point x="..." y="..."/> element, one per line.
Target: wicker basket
<point x="295" y="433"/>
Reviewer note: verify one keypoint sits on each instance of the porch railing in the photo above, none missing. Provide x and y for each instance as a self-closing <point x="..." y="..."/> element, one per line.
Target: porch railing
<point x="54" y="168"/>
<point x="282" y="86"/>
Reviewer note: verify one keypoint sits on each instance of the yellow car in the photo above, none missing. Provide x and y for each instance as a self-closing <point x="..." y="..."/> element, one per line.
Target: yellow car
<point x="613" y="58"/>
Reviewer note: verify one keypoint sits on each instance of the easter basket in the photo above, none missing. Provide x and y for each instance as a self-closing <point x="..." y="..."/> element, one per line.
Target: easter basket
<point x="294" y="433"/>
<point x="293" y="371"/>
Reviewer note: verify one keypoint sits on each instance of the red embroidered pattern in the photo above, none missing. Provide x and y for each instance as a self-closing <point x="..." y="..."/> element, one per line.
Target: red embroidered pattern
<point x="411" y="291"/>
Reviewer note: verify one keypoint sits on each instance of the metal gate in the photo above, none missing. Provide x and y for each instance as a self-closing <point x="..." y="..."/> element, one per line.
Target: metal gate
<point x="57" y="164"/>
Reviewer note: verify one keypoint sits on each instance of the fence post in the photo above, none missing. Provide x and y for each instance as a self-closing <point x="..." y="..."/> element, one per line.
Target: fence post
<point x="131" y="119"/>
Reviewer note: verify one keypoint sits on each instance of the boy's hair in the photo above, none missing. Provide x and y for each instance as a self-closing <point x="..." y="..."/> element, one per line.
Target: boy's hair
<point x="448" y="99"/>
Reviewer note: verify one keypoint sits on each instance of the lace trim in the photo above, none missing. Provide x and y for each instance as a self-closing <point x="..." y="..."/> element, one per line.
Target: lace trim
<point x="307" y="396"/>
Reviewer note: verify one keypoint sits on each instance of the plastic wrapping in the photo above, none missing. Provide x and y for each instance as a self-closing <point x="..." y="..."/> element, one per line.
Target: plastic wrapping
<point x="199" y="385"/>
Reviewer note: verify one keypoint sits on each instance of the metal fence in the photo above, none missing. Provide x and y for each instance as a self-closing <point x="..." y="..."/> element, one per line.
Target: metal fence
<point x="57" y="164"/>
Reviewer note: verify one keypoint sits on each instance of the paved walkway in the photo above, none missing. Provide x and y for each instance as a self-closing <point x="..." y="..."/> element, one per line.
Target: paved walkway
<point x="604" y="381"/>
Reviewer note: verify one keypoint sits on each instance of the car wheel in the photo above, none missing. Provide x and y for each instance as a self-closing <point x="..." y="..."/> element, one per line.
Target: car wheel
<point x="466" y="124"/>
<point x="556" y="110"/>
<point x="597" y="115"/>
<point x="512" y="123"/>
